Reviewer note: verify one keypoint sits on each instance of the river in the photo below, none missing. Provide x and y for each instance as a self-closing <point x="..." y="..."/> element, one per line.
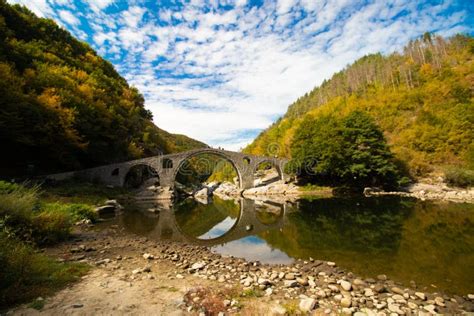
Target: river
<point x="429" y="243"/>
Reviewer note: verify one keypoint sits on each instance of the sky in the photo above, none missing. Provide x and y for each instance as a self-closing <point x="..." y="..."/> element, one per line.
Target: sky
<point x="222" y="71"/>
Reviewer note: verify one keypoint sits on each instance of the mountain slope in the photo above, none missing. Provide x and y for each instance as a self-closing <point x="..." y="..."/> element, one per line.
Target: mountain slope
<point x="64" y="107"/>
<point x="422" y="99"/>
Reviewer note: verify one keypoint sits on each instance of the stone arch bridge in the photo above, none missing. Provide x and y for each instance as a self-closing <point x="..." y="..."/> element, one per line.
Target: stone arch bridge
<point x="166" y="168"/>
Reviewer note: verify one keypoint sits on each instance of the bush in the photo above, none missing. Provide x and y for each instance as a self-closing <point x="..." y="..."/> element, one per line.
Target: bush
<point x="459" y="177"/>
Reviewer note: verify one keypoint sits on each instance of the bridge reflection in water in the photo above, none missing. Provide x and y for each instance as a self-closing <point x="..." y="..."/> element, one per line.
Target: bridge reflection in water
<point x="214" y="223"/>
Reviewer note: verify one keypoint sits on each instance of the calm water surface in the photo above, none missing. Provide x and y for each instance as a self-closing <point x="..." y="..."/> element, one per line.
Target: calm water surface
<point x="431" y="243"/>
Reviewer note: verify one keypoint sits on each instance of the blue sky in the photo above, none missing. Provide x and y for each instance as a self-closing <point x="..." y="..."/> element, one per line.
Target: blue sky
<point x="221" y="71"/>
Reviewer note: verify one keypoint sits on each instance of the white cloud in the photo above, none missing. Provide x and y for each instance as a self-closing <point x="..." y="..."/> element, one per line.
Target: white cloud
<point x="98" y="5"/>
<point x="68" y="17"/>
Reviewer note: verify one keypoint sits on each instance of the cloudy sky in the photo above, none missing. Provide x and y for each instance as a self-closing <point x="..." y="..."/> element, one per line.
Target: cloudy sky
<point x="221" y="71"/>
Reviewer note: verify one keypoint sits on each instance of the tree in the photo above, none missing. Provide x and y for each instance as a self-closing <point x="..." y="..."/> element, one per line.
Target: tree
<point x="343" y="151"/>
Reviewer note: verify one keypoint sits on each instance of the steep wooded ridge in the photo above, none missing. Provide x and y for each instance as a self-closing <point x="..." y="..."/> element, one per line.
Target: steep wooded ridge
<point x="422" y="99"/>
<point x="64" y="107"/>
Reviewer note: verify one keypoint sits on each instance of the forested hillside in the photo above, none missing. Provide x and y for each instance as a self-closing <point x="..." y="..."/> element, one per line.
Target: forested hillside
<point x="421" y="99"/>
<point x="64" y="107"/>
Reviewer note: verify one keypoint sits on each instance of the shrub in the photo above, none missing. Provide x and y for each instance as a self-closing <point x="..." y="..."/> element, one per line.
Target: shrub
<point x="459" y="177"/>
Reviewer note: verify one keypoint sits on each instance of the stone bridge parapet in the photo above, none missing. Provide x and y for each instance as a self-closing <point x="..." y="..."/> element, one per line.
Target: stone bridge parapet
<point x="167" y="167"/>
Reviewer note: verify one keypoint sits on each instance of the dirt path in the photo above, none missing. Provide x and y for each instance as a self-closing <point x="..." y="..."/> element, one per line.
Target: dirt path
<point x="123" y="282"/>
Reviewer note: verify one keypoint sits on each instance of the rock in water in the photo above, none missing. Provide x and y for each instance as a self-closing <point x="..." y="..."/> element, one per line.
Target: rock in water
<point x="204" y="192"/>
<point x="105" y="210"/>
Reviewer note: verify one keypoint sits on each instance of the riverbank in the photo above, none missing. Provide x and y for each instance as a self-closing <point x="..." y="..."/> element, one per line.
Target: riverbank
<point x="429" y="191"/>
<point x="134" y="275"/>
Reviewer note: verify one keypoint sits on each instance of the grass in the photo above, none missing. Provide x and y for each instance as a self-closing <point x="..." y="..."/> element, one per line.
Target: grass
<point x="314" y="188"/>
<point x="26" y="274"/>
<point x="292" y="308"/>
<point x="252" y="293"/>
<point x="37" y="304"/>
<point x="26" y="220"/>
<point x="36" y="221"/>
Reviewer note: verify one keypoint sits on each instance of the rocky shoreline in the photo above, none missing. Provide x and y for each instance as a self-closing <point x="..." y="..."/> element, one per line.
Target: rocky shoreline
<point x="429" y="191"/>
<point x="216" y="285"/>
<point x="269" y="187"/>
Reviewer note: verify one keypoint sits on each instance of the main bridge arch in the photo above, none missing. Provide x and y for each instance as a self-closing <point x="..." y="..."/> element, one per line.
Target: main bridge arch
<point x="179" y="163"/>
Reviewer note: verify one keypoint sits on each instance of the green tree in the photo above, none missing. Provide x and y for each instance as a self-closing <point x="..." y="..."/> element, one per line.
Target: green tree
<point x="344" y="151"/>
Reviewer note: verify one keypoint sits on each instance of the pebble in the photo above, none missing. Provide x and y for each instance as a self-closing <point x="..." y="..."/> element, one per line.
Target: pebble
<point x="263" y="281"/>
<point x="290" y="283"/>
<point x="382" y="277"/>
<point x="430" y="308"/>
<point x="379" y="288"/>
<point x="439" y="301"/>
<point x="290" y="276"/>
<point x="302" y="281"/>
<point x="395" y="309"/>
<point x="368" y="292"/>
<point x="77" y="305"/>
<point x="346" y="302"/>
<point x="198" y="265"/>
<point x="307" y="304"/>
<point x="358" y="282"/>
<point x="346" y="286"/>
<point x="148" y="256"/>
<point x="268" y="291"/>
<point x="397" y="290"/>
<point x="420" y="295"/>
<point x="397" y="297"/>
